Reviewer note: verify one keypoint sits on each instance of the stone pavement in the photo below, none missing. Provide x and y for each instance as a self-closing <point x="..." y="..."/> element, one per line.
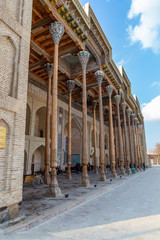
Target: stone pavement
<point x="130" y="210"/>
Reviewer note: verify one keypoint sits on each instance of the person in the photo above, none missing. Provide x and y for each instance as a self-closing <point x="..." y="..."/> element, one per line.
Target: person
<point x="77" y="168"/>
<point x="88" y="167"/>
<point x="144" y="167"/>
<point x="59" y="170"/>
<point x="133" y="169"/>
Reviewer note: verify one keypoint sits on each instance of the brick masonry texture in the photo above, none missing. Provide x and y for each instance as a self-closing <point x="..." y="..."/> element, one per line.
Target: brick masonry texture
<point x="15" y="25"/>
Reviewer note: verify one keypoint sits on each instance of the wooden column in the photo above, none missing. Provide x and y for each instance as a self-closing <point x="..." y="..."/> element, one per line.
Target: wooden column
<point x="138" y="145"/>
<point x="141" y="158"/>
<point x="121" y="155"/>
<point x="116" y="143"/>
<point x="70" y="86"/>
<point x="134" y="140"/>
<point x="49" y="69"/>
<point x="123" y="106"/>
<point x="95" y="139"/>
<point x="83" y="58"/>
<point x="109" y="90"/>
<point x="99" y="77"/>
<point x="62" y="140"/>
<point x="56" y="31"/>
<point x="130" y="136"/>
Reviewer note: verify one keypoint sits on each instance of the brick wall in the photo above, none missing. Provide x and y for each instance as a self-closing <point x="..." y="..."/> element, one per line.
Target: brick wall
<point x="14" y="59"/>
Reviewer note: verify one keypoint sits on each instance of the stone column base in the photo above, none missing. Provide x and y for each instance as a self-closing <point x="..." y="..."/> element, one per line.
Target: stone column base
<point x="128" y="170"/>
<point x="69" y="176"/>
<point x="122" y="171"/>
<point x="96" y="170"/>
<point x="54" y="192"/>
<point x="102" y="177"/>
<point x="85" y="181"/>
<point x="114" y="174"/>
<point x="53" y="189"/>
<point x="47" y="179"/>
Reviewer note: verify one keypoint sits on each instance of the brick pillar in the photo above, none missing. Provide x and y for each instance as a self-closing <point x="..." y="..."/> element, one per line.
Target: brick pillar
<point x="121" y="155"/>
<point x="56" y="31"/>
<point x="83" y="58"/>
<point x="70" y="86"/>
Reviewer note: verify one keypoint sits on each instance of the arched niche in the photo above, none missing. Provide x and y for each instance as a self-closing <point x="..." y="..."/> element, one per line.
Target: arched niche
<point x="40" y="122"/>
<point x="4" y="154"/>
<point x="38" y="159"/>
<point x="25" y="163"/>
<point x="76" y="140"/>
<point x="7" y="69"/>
<point x="28" y="118"/>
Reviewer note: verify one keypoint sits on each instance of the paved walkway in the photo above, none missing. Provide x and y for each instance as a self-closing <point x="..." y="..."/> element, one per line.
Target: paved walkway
<point x="127" y="211"/>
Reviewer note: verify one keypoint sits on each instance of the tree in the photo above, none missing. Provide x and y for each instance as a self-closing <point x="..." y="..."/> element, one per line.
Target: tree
<point x="157" y="148"/>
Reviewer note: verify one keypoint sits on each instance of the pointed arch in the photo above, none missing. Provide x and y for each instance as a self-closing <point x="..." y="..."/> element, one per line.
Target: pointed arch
<point x="28" y="119"/>
<point x="38" y="159"/>
<point x="40" y="122"/>
<point x="8" y="54"/>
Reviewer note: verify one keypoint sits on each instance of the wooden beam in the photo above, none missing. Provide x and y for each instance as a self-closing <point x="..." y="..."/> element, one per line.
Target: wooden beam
<point x="37" y="65"/>
<point x="42" y="23"/>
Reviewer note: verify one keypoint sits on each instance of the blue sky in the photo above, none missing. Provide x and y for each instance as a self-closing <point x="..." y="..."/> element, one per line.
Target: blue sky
<point x="133" y="30"/>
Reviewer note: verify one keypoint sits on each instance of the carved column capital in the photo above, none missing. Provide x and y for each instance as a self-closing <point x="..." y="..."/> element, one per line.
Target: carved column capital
<point x="123" y="106"/>
<point x="99" y="75"/>
<point x="117" y="99"/>
<point x="83" y="58"/>
<point x="94" y="104"/>
<point x="109" y="90"/>
<point x="49" y="69"/>
<point x="70" y="85"/>
<point x="132" y="117"/>
<point x="136" y="121"/>
<point x="129" y="111"/>
<point x="56" y="30"/>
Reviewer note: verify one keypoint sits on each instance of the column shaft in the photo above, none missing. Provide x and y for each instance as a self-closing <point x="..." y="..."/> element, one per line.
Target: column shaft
<point x="54" y="189"/>
<point x="121" y="156"/>
<point x="85" y="181"/>
<point x="102" y="170"/>
<point x="62" y="140"/>
<point x="116" y="144"/>
<point x="111" y="138"/>
<point x="95" y="142"/>
<point x="134" y="144"/>
<point x="130" y="141"/>
<point x="47" y="138"/>
<point x="69" y="140"/>
<point x="126" y="139"/>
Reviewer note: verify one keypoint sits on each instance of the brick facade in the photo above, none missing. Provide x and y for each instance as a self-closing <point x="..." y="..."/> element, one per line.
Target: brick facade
<point x="15" y="23"/>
